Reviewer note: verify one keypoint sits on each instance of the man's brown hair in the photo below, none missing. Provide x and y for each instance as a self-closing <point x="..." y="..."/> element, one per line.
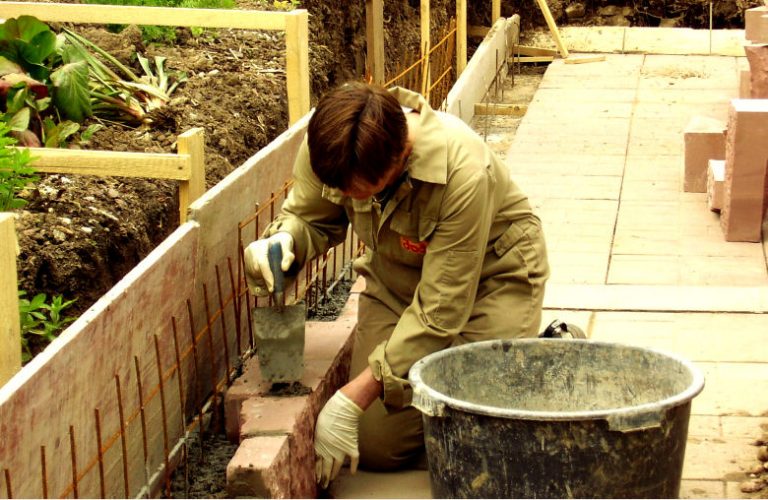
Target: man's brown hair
<point x="357" y="132"/>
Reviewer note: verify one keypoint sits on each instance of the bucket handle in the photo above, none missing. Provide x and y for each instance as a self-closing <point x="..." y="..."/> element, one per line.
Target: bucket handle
<point x="635" y="422"/>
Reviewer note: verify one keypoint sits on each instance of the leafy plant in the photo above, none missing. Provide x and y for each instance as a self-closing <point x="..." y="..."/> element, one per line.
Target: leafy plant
<point x="167" y="34"/>
<point x="126" y="94"/>
<point x="41" y="321"/>
<point x="286" y="4"/>
<point x="15" y="174"/>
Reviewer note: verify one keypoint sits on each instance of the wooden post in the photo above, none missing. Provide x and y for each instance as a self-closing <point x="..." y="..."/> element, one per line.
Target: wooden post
<point x="461" y="36"/>
<point x="374" y="36"/>
<point x="10" y="330"/>
<point x="495" y="11"/>
<point x="192" y="143"/>
<point x="426" y="45"/>
<point x="552" y="27"/>
<point x="297" y="63"/>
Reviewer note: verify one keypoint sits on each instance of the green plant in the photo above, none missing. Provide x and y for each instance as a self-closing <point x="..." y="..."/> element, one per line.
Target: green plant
<point x="166" y="34"/>
<point x="286" y="4"/>
<point x="41" y="321"/>
<point x="36" y="83"/>
<point x="15" y="174"/>
<point x="127" y="97"/>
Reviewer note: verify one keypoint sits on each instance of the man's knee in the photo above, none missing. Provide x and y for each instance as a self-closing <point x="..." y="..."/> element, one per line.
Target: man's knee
<point x="390" y="440"/>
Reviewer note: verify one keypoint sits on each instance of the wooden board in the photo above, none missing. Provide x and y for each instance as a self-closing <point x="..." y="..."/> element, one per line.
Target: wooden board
<point x="584" y="59"/>
<point x="158" y="16"/>
<point x="51" y="401"/>
<point x="10" y="347"/>
<point x="500" y="109"/>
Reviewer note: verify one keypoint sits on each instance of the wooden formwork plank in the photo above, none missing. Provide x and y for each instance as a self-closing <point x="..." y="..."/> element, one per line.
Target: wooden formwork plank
<point x="10" y="340"/>
<point x="495" y="10"/>
<point x="297" y="64"/>
<point x="374" y="33"/>
<point x="158" y="16"/>
<point x="76" y="374"/>
<point x="461" y="36"/>
<point x="191" y="144"/>
<point x="106" y="163"/>
<point x="426" y="45"/>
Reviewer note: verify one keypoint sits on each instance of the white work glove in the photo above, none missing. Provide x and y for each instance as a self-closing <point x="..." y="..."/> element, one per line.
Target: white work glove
<point x="336" y="437"/>
<point x="259" y="277"/>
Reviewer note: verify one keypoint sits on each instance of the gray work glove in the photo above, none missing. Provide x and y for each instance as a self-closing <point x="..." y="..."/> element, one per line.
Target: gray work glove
<point x="336" y="437"/>
<point x="259" y="277"/>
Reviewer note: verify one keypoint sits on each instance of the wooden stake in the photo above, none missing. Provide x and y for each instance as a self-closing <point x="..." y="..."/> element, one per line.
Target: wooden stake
<point x="552" y="27"/>
<point x="374" y="33"/>
<point x="10" y="329"/>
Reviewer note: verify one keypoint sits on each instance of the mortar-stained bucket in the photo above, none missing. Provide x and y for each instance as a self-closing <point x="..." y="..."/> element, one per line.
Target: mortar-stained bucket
<point x="554" y="418"/>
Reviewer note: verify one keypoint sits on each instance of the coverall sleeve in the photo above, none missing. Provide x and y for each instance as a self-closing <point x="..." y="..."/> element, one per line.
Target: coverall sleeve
<point x="444" y="297"/>
<point x="315" y="222"/>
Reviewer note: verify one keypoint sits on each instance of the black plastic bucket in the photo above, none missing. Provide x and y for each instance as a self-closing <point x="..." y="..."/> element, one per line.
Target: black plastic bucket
<point x="552" y="418"/>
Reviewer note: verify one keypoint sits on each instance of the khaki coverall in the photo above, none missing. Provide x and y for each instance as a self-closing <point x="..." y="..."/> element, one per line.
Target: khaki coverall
<point x="454" y="256"/>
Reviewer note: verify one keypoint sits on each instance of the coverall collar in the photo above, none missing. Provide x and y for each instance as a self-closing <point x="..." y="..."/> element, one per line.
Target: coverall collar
<point x="428" y="162"/>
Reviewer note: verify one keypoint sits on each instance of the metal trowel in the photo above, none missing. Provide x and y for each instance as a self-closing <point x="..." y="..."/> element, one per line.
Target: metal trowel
<point x="279" y="329"/>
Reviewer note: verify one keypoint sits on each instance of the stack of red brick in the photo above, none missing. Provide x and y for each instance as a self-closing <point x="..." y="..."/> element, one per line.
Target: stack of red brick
<point x="730" y="161"/>
<point x="276" y="457"/>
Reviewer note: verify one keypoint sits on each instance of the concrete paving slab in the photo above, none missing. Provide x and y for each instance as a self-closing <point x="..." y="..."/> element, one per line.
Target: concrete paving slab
<point x="654" y="167"/>
<point x="700" y="337"/>
<point x="587" y="187"/>
<point x="685" y="270"/>
<point x="570" y="95"/>
<point x="733" y="389"/>
<point x="690" y="488"/>
<point x="717" y="458"/>
<point x="578" y="267"/>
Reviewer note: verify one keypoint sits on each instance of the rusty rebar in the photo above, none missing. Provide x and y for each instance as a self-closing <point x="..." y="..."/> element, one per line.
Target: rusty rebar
<point x="121" y="412"/>
<point x="73" y="455"/>
<point x="143" y="419"/>
<point x="224" y="338"/>
<point x="182" y="407"/>
<point x="214" y="367"/>
<point x="8" y="487"/>
<point x="100" y="453"/>
<point x="198" y="402"/>
<point x="44" y="471"/>
<point x="166" y="447"/>
<point x="235" y="305"/>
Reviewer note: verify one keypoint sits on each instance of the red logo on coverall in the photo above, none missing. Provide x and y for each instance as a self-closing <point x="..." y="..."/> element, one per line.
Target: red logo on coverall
<point x="418" y="247"/>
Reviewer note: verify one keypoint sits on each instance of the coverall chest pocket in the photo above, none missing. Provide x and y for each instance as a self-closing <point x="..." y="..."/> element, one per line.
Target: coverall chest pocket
<point x="411" y="233"/>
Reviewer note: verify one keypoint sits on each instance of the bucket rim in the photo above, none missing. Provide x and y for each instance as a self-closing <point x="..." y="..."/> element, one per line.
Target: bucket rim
<point x="421" y="389"/>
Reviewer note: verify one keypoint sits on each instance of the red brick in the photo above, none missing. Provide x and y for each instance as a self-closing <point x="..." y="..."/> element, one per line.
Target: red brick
<point x="261" y="468"/>
<point x="704" y="140"/>
<point x="715" y="184"/>
<point x="270" y="416"/>
<point x="745" y="163"/>
<point x="756" y="24"/>
<point x="745" y="84"/>
<point x="757" y="55"/>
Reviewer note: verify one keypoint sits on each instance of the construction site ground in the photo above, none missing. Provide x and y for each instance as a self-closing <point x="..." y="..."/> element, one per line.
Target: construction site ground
<point x="635" y="259"/>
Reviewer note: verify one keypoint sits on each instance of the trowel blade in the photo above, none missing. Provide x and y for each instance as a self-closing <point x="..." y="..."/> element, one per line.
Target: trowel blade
<point x="279" y="339"/>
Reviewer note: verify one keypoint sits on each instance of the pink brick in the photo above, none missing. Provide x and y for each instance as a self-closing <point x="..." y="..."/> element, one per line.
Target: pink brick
<point x="704" y="140"/>
<point x="756" y="24"/>
<point x="261" y="468"/>
<point x="745" y="163"/>
<point x="745" y="84"/>
<point x="715" y="184"/>
<point x="270" y="416"/>
<point x="757" y="56"/>
<point x="252" y="415"/>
